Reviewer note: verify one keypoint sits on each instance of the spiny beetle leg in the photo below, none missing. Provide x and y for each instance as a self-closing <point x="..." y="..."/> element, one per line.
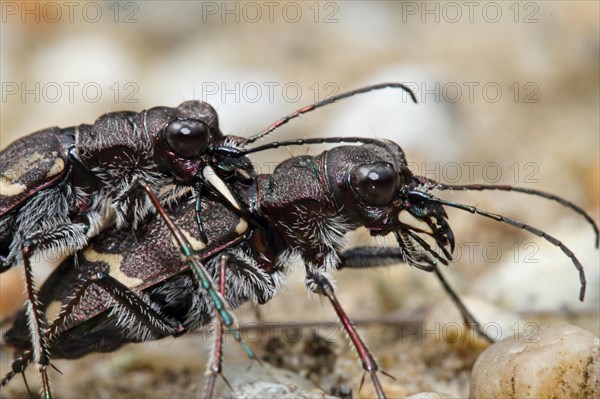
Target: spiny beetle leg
<point x="137" y="307"/>
<point x="215" y="366"/>
<point x="133" y="303"/>
<point x="75" y="236"/>
<point x="367" y="257"/>
<point x="324" y="287"/>
<point x="37" y="320"/>
<point x="220" y="305"/>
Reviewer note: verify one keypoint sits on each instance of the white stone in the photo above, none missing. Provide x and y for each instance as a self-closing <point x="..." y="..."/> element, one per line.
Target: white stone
<point x="429" y="395"/>
<point x="560" y="360"/>
<point x="250" y="380"/>
<point x="247" y="99"/>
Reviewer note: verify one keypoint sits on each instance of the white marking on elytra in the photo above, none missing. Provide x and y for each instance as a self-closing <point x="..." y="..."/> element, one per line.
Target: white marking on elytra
<point x="9" y="185"/>
<point x="114" y="263"/>
<point x="8" y="189"/>
<point x="58" y="167"/>
<point x="197" y="245"/>
<point x="21" y="166"/>
<point x="211" y="177"/>
<point x="407" y="219"/>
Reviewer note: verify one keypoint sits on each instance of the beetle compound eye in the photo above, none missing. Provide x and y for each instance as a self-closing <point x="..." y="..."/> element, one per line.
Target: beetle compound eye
<point x="376" y="183"/>
<point x="188" y="137"/>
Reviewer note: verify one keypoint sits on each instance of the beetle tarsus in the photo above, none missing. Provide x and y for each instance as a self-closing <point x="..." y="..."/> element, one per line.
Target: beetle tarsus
<point x="215" y="367"/>
<point x="324" y="287"/>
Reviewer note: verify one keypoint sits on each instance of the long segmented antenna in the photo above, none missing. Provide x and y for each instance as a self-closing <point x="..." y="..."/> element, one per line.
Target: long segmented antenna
<point x="328" y="101"/>
<point x="529" y="191"/>
<point x="526" y="227"/>
<point x="236" y="153"/>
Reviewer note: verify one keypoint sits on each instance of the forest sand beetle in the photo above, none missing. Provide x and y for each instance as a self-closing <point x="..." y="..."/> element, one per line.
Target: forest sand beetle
<point x="243" y="227"/>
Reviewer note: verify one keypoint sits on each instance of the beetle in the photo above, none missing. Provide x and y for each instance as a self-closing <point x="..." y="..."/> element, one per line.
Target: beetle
<point x="305" y="207"/>
<point x="137" y="281"/>
<point x="60" y="187"/>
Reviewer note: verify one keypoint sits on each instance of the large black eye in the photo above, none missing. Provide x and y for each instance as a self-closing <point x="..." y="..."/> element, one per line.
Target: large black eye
<point x="376" y="183"/>
<point x="188" y="138"/>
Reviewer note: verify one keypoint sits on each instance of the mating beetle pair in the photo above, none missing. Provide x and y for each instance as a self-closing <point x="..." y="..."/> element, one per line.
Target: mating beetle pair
<point x="305" y="207"/>
<point x="60" y="187"/>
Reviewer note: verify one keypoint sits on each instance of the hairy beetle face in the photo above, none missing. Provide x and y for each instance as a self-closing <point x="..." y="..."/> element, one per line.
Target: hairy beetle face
<point x="367" y="182"/>
<point x="183" y="136"/>
<point x="376" y="189"/>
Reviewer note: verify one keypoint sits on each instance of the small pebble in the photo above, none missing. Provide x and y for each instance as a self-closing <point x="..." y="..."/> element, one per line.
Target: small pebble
<point x="264" y="389"/>
<point x="429" y="395"/>
<point x="251" y="380"/>
<point x="559" y="361"/>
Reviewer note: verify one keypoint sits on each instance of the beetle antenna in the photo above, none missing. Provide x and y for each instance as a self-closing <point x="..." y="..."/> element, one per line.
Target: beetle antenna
<point x="235" y="152"/>
<point x="528" y="191"/>
<point x="526" y="227"/>
<point x="327" y="101"/>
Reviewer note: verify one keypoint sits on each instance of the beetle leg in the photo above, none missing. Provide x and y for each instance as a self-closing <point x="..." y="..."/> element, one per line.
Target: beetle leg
<point x="215" y="367"/>
<point x="18" y="366"/>
<point x="321" y="285"/>
<point x="134" y="304"/>
<point x="366" y="257"/>
<point x="219" y="303"/>
<point x="74" y="236"/>
<point x="37" y="321"/>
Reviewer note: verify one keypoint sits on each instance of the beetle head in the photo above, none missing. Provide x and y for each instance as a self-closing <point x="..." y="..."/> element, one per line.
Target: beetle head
<point x="374" y="187"/>
<point x="183" y="136"/>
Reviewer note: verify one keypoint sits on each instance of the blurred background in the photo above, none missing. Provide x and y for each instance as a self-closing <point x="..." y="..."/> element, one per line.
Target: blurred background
<point x="508" y="93"/>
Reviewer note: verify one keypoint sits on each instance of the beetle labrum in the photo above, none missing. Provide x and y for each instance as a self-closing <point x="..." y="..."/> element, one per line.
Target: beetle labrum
<point x="304" y="207"/>
<point x="60" y="187"/>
